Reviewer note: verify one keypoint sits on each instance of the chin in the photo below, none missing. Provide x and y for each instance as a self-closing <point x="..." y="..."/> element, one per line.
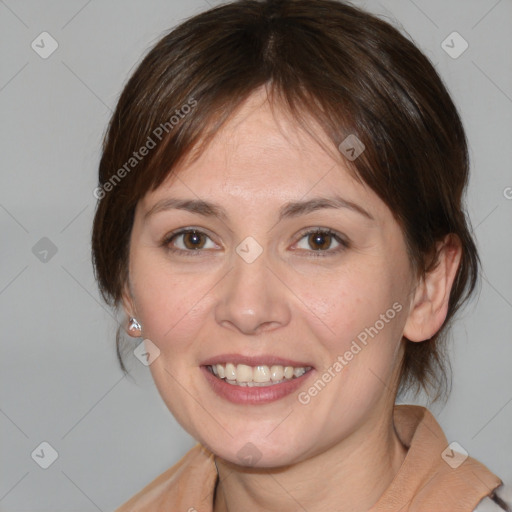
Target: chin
<point x="254" y="452"/>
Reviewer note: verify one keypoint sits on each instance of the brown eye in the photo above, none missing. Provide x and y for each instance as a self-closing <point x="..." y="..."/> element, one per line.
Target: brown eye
<point x="320" y="240"/>
<point x="193" y="240"/>
<point x="188" y="241"/>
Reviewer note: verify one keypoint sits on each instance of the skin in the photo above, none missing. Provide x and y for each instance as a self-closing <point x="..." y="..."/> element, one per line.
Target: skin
<point x="340" y="451"/>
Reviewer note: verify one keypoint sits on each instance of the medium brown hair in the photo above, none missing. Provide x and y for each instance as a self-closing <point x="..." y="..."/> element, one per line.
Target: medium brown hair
<point x="324" y="61"/>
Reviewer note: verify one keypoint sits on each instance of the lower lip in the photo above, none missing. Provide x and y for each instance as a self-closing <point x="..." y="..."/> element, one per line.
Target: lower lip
<point x="256" y="394"/>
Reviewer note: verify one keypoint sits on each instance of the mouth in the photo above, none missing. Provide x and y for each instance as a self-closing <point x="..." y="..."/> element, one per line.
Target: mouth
<point x="256" y="376"/>
<point x="255" y="380"/>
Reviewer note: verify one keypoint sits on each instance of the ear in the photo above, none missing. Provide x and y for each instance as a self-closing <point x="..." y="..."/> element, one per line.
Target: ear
<point x="129" y="309"/>
<point x="430" y="303"/>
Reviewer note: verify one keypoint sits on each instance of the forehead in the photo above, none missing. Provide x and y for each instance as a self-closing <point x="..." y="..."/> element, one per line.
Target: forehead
<point x="262" y="155"/>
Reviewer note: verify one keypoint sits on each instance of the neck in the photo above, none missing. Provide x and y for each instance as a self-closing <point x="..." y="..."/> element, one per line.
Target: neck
<point x="349" y="476"/>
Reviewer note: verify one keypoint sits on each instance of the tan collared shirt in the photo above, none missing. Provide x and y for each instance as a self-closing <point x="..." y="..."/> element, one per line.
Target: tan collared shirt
<point x="432" y="477"/>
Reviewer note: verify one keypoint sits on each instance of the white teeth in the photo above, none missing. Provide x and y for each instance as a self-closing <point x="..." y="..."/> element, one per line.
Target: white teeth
<point x="230" y="371"/>
<point x="220" y="371"/>
<point x="297" y="372"/>
<point x="261" y="375"/>
<point x="276" y="373"/>
<point x="243" y="373"/>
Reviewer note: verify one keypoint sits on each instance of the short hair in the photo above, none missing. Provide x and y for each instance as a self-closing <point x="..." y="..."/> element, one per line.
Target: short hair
<point x="324" y="61"/>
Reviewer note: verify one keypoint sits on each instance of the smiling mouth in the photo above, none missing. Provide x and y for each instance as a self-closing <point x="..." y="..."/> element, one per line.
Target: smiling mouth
<point x="256" y="376"/>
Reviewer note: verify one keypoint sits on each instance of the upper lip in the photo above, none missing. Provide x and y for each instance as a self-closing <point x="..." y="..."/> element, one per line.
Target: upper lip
<point x="264" y="359"/>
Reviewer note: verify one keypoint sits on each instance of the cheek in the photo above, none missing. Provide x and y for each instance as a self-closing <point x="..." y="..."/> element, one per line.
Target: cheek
<point x="340" y="306"/>
<point x="357" y="319"/>
<point x="360" y="331"/>
<point x="169" y="303"/>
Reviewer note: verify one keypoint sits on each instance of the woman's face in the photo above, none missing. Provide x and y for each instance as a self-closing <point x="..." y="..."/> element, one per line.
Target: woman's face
<point x="252" y="287"/>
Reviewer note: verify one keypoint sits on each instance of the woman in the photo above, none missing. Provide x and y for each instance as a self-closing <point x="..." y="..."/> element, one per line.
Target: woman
<point x="281" y="219"/>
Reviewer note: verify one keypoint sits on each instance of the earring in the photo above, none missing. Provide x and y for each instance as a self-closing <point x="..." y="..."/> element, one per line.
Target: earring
<point x="134" y="325"/>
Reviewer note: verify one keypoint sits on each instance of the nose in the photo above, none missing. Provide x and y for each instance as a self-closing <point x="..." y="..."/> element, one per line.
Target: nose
<point x="252" y="298"/>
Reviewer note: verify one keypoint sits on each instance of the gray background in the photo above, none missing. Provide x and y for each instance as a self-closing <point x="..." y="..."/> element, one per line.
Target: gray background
<point x="60" y="382"/>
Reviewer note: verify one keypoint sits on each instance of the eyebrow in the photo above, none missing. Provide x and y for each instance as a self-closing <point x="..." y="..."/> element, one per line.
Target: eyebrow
<point x="289" y="210"/>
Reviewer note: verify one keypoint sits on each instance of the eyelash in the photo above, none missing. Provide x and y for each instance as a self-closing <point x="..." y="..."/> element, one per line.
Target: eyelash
<point x="344" y="244"/>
